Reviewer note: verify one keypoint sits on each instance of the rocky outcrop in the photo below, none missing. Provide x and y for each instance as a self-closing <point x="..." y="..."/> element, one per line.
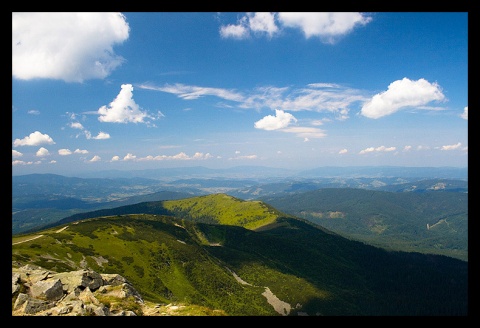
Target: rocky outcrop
<point x="40" y="292"/>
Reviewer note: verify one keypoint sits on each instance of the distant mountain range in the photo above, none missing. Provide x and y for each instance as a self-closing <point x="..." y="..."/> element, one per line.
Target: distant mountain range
<point x="40" y="199"/>
<point x="269" y="172"/>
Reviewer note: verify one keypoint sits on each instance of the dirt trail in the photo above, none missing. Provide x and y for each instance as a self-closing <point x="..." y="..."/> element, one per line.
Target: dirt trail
<point x="22" y="241"/>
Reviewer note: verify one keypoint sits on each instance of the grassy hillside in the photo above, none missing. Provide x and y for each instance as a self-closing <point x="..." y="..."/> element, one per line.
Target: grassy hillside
<point x="286" y="266"/>
<point x="430" y="222"/>
<point x="214" y="208"/>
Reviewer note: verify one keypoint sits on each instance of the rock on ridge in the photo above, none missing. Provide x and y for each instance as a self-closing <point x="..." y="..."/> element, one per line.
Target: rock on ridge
<point x="40" y="292"/>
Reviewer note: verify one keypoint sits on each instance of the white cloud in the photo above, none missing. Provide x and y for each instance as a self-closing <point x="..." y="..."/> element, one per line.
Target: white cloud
<point x="42" y="152"/>
<point x="407" y="148"/>
<point x="317" y="97"/>
<point x="16" y="153"/>
<point x="234" y="31"/>
<point x="76" y="125"/>
<point x="34" y="112"/>
<point x="343" y="151"/>
<point x="34" y="139"/>
<point x="279" y="121"/>
<point x="80" y="151"/>
<point x="129" y="157"/>
<point x="102" y="135"/>
<point x="190" y="92"/>
<point x="69" y="46"/>
<point x="123" y="109"/>
<point x="180" y="156"/>
<point x="327" y="26"/>
<point x="401" y="94"/>
<point x="17" y="162"/>
<point x="378" y="149"/>
<point x="305" y="132"/>
<point x="282" y="120"/>
<point x="95" y="158"/>
<point x="115" y="158"/>
<point x="451" y="147"/>
<point x="464" y="115"/>
<point x="64" y="152"/>
<point x="260" y="23"/>
<point x="243" y="157"/>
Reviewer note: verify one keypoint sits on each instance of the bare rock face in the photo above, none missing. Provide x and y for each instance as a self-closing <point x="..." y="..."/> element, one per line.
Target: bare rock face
<point x="40" y="292"/>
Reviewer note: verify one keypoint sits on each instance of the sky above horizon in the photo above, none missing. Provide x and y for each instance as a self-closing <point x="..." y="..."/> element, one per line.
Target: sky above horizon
<point x="142" y="90"/>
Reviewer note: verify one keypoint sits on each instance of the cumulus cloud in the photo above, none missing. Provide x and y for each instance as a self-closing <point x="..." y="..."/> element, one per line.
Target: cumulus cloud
<point x="279" y="121"/>
<point x="76" y="125"/>
<point x="260" y="23"/>
<point x="401" y="94"/>
<point x="234" y="31"/>
<point x="81" y="151"/>
<point x="95" y="158"/>
<point x="464" y="115"/>
<point x="377" y="149"/>
<point x="129" y="157"/>
<point x="42" y="152"/>
<point x="64" y="152"/>
<point x="115" y="158"/>
<point x="16" y="153"/>
<point x="69" y="46"/>
<point x="451" y="147"/>
<point x="328" y="27"/>
<point x="123" y="109"/>
<point x="18" y="162"/>
<point x="343" y="151"/>
<point x="102" y="135"/>
<point x="34" y="139"/>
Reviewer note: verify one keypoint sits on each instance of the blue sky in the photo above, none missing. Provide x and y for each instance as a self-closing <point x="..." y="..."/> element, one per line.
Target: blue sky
<point x="142" y="90"/>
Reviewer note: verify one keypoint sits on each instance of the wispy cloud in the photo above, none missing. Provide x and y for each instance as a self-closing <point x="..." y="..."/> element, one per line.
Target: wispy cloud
<point x="317" y="97"/>
<point x="189" y="92"/>
<point x="81" y="43"/>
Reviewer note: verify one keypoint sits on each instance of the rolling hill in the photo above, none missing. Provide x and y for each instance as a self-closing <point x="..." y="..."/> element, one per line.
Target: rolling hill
<point x="247" y="259"/>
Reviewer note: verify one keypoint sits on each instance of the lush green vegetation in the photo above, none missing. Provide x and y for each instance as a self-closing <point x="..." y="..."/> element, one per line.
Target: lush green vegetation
<point x="433" y="222"/>
<point x="224" y="266"/>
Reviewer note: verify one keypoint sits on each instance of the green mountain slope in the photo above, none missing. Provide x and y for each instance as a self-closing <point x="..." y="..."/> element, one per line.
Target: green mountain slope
<point x="213" y="208"/>
<point x="286" y="266"/>
<point x="431" y="222"/>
